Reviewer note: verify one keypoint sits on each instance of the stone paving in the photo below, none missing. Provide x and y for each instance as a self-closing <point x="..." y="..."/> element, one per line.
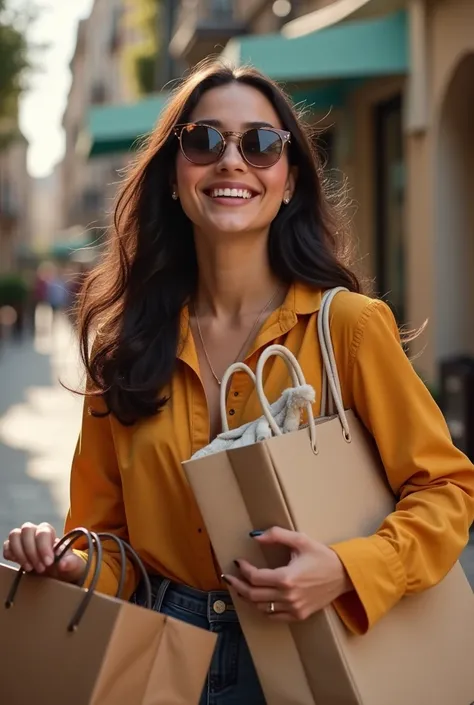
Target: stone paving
<point x="39" y="425"/>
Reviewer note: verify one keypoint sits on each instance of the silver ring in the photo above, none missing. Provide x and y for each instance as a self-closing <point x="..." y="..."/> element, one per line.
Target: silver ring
<point x="271" y="608"/>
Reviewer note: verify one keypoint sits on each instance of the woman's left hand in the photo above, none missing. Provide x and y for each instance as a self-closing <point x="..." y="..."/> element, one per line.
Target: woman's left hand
<point x="313" y="578"/>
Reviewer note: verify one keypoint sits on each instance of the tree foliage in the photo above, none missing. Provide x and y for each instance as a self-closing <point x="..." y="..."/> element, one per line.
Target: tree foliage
<point x="13" y="59"/>
<point x="141" y="58"/>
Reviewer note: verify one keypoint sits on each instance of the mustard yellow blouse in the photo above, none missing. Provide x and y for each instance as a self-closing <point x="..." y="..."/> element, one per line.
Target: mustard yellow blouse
<point x="129" y="480"/>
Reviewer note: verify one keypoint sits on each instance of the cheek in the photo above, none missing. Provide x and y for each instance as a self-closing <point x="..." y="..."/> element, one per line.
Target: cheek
<point x="274" y="181"/>
<point x="186" y="176"/>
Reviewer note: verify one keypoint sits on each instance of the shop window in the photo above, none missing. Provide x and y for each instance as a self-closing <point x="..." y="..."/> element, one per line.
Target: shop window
<point x="114" y="36"/>
<point x="390" y="246"/>
<point x="92" y="200"/>
<point x="221" y="8"/>
<point x="98" y="93"/>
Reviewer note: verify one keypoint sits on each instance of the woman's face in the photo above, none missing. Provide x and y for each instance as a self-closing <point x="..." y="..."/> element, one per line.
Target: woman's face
<point x="233" y="107"/>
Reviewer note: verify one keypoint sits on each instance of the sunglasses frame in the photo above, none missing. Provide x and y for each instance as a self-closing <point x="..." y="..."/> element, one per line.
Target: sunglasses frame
<point x="284" y="136"/>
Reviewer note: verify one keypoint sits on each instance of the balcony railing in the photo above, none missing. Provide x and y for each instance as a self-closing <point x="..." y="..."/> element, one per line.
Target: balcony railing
<point x="202" y="26"/>
<point x="206" y="11"/>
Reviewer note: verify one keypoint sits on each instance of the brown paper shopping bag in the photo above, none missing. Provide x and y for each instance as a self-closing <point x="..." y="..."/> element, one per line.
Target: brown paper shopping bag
<point x="418" y="654"/>
<point x="63" y="645"/>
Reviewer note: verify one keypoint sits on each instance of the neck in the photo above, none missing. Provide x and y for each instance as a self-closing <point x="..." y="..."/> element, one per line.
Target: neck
<point x="235" y="278"/>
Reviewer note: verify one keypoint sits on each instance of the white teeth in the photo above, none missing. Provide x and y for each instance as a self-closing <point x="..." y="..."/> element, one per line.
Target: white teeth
<point x="230" y="193"/>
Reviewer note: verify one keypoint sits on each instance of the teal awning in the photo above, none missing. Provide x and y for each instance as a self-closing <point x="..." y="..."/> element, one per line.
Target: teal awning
<point x="115" y="128"/>
<point x="327" y="65"/>
<point x="362" y="49"/>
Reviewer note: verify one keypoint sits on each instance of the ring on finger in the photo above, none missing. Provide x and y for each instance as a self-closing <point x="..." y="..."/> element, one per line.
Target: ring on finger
<point x="271" y="608"/>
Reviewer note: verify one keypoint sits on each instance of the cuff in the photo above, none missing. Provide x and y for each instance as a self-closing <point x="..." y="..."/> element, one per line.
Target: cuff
<point x="378" y="580"/>
<point x="107" y="583"/>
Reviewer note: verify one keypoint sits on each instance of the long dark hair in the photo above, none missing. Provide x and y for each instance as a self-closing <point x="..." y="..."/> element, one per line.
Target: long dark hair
<point x="149" y="272"/>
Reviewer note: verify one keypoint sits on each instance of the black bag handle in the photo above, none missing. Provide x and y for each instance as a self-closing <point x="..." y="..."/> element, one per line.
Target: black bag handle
<point x="95" y="549"/>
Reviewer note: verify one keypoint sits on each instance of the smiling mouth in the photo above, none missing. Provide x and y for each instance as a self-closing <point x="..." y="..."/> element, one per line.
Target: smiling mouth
<point x="234" y="194"/>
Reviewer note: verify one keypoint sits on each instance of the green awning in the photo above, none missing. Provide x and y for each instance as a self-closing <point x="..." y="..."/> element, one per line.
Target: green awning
<point x="362" y="49"/>
<point x="327" y="65"/>
<point x="115" y="128"/>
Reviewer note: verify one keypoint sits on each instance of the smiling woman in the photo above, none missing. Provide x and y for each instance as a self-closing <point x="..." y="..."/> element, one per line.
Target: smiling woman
<point x="224" y="131"/>
<point x="223" y="244"/>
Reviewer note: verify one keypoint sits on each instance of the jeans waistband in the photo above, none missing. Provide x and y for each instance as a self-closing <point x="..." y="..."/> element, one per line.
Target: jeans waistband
<point x="216" y="606"/>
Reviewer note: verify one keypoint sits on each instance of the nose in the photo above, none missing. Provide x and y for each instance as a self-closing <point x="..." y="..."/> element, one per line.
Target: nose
<point x="232" y="159"/>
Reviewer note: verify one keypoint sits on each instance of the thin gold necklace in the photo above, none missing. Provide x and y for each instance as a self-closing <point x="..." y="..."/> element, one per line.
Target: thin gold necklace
<point x="246" y="341"/>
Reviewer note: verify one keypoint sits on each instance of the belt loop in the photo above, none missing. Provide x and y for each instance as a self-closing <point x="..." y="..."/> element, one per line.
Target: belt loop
<point x="160" y="595"/>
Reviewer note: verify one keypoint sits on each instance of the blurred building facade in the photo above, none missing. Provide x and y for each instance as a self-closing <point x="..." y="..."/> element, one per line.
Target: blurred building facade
<point x="406" y="145"/>
<point x="98" y="78"/>
<point x="15" y="202"/>
<point x="45" y="210"/>
<point x="392" y="84"/>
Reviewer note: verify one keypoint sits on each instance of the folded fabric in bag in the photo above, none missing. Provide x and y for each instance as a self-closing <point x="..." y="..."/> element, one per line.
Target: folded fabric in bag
<point x="286" y="413"/>
<point x="327" y="481"/>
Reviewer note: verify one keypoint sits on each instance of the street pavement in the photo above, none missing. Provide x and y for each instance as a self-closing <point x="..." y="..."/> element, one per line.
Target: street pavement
<point x="39" y="426"/>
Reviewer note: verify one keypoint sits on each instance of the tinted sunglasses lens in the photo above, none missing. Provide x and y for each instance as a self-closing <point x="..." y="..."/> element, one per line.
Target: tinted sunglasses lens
<point x="262" y="148"/>
<point x="201" y="144"/>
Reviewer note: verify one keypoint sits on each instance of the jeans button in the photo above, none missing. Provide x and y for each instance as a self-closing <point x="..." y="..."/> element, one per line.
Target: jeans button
<point x="219" y="607"/>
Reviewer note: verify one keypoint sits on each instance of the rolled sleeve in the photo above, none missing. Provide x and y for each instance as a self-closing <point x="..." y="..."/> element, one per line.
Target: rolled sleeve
<point x="432" y="480"/>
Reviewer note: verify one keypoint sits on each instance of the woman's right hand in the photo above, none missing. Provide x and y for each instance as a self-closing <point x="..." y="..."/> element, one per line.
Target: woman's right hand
<point x="32" y="547"/>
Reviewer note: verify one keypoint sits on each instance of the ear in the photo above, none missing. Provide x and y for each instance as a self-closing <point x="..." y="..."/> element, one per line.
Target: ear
<point x="290" y="185"/>
<point x="173" y="181"/>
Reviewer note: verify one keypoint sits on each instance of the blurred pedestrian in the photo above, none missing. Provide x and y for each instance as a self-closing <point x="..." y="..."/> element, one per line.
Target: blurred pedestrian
<point x="57" y="293"/>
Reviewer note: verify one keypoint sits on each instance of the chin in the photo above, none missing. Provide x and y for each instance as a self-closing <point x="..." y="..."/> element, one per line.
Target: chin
<point x="232" y="227"/>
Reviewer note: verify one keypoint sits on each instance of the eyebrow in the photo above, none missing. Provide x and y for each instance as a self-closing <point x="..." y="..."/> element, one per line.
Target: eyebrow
<point x="246" y="125"/>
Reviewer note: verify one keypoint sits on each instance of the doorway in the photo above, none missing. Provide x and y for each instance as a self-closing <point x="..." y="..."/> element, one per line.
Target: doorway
<point x="389" y="206"/>
<point x="454" y="222"/>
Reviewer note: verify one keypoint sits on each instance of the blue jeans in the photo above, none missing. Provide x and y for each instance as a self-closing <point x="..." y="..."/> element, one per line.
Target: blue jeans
<point x="232" y="679"/>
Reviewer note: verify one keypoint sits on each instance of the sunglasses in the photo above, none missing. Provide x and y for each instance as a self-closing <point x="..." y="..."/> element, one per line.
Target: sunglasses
<point x="260" y="147"/>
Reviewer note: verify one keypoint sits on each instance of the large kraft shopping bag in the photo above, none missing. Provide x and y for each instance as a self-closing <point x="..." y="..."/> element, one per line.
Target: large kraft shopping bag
<point x="327" y="481"/>
<point x="63" y="645"/>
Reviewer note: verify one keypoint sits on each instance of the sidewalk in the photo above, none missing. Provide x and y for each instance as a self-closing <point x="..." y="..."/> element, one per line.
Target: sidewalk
<point x="39" y="426"/>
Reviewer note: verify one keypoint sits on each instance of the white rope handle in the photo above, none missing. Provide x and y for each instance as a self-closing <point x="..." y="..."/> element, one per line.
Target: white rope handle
<point x="297" y="379"/>
<point x="331" y="385"/>
<point x="331" y="397"/>
<point x="236" y="367"/>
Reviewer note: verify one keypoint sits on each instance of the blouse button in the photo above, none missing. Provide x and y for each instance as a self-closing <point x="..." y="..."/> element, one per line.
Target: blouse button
<point x="236" y="394"/>
<point x="231" y="412"/>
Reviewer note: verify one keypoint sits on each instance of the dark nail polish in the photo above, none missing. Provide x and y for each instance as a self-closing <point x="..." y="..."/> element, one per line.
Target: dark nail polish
<point x="257" y="532"/>
<point x="237" y="564"/>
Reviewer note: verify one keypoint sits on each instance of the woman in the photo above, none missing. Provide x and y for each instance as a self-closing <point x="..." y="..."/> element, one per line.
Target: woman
<point x="223" y="243"/>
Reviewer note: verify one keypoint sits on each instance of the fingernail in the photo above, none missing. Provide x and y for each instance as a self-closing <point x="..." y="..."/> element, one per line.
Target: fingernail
<point x="28" y="567"/>
<point x="237" y="564"/>
<point x="256" y="533"/>
<point x="225" y="579"/>
<point x="48" y="560"/>
<point x="40" y="568"/>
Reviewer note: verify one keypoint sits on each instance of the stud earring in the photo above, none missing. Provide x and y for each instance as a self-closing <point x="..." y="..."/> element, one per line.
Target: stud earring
<point x="174" y="196"/>
<point x="286" y="200"/>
